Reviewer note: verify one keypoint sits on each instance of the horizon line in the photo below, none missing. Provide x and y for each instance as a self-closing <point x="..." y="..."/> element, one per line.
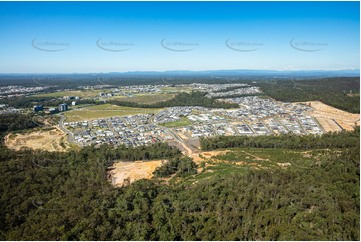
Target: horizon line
<point x="165" y="71"/>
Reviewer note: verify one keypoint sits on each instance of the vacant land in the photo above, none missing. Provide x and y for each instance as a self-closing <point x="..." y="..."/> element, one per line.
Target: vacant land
<point x="147" y="98"/>
<point x="204" y="156"/>
<point x="235" y="160"/>
<point x="177" y="89"/>
<point x="184" y="121"/>
<point x="104" y="111"/>
<point x="124" y="173"/>
<point x="49" y="140"/>
<point x="79" y="93"/>
<point x="333" y="119"/>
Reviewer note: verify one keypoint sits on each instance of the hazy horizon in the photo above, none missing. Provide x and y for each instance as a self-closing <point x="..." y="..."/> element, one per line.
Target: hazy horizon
<point x="356" y="70"/>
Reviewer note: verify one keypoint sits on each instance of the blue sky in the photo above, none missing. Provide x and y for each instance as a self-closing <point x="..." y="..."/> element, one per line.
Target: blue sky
<point x="67" y="37"/>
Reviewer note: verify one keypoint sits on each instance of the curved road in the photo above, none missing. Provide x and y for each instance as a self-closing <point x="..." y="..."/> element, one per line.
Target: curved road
<point x="61" y="126"/>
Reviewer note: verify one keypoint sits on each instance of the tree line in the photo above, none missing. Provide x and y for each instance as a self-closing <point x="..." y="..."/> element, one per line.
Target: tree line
<point x="180" y="166"/>
<point x="16" y="121"/>
<point x="181" y="99"/>
<point x="30" y="101"/>
<point x="339" y="92"/>
<point x="342" y="139"/>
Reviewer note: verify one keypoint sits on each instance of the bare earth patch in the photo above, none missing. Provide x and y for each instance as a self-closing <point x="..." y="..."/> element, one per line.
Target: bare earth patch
<point x="203" y="156"/>
<point x="284" y="165"/>
<point x="123" y="173"/>
<point x="50" y="140"/>
<point x="333" y="119"/>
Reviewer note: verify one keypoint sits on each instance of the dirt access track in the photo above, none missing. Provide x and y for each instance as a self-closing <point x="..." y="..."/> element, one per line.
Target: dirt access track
<point x="333" y="119"/>
<point x="50" y="140"/>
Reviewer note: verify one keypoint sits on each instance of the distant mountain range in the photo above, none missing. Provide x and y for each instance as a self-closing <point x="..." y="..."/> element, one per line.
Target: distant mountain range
<point x="214" y="73"/>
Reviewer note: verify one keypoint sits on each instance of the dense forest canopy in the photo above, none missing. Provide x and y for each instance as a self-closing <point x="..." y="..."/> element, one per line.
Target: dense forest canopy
<point x="15" y="121"/>
<point x="339" y="92"/>
<point x="180" y="166"/>
<point x="343" y="139"/>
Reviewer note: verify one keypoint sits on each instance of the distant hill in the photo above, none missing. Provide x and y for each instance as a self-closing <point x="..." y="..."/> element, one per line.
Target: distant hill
<point x="209" y="73"/>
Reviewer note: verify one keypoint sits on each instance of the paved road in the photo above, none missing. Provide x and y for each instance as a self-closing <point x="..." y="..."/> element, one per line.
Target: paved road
<point x="188" y="150"/>
<point x="61" y="126"/>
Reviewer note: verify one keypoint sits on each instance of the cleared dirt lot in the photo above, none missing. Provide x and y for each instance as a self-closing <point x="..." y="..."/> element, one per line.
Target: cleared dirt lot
<point x="204" y="156"/>
<point x="50" y="140"/>
<point x="333" y="119"/>
<point x="123" y="173"/>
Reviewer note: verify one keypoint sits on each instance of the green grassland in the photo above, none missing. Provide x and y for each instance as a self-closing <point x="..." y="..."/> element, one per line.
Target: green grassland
<point x="177" y="89"/>
<point x="184" y="121"/>
<point x="79" y="93"/>
<point x="146" y="98"/>
<point x="104" y="111"/>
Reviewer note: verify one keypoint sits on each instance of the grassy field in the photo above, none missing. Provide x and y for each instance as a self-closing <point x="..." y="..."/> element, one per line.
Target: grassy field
<point x="184" y="121"/>
<point x="104" y="111"/>
<point x="177" y="89"/>
<point x="79" y="93"/>
<point x="147" y="98"/>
